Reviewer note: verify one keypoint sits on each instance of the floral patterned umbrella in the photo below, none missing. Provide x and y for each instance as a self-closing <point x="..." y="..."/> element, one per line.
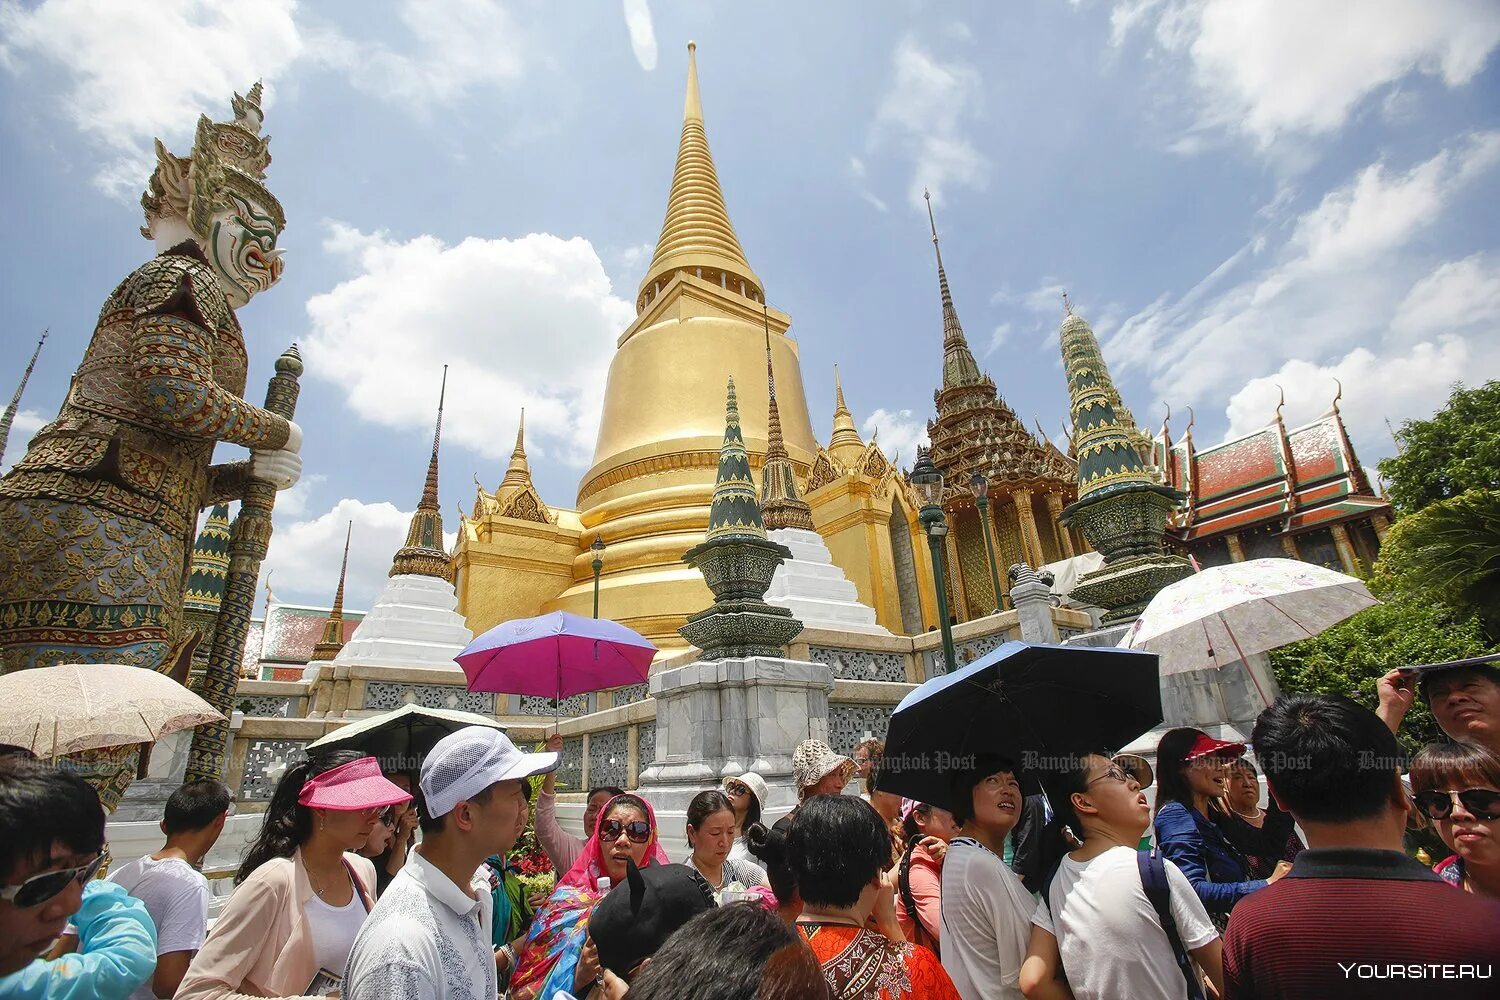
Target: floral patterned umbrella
<point x="60" y="710"/>
<point x="1226" y="613"/>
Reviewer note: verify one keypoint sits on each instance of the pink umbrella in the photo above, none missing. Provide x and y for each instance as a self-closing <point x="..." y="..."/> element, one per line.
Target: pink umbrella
<point x="556" y="655"/>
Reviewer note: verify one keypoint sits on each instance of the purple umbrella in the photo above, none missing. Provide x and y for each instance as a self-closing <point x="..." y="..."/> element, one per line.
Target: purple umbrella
<point x="556" y="656"/>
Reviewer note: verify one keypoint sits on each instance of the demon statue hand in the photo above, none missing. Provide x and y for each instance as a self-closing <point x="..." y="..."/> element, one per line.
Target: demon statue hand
<point x="97" y="521"/>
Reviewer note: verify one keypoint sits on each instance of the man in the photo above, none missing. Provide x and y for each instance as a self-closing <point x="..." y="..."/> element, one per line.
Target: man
<point x="175" y="892"/>
<point x="1464" y="696"/>
<point x="53" y="844"/>
<point x="1355" y="916"/>
<point x="429" y="936"/>
<point x="1097" y="931"/>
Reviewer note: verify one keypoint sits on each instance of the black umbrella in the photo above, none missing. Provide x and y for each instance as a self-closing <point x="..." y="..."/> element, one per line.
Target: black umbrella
<point x="1040" y="706"/>
<point x="401" y="738"/>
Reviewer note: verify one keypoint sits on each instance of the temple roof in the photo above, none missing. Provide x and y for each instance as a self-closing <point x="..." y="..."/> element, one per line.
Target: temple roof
<point x="696" y="233"/>
<point x="780" y="504"/>
<point x="845" y="444"/>
<point x="210" y="564"/>
<point x="959" y="366"/>
<point x="333" y="630"/>
<point x="423" y="553"/>
<point x="1303" y="478"/>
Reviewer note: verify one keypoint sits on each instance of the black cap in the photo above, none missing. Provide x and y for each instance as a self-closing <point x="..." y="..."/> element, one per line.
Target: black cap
<point x="638" y="916"/>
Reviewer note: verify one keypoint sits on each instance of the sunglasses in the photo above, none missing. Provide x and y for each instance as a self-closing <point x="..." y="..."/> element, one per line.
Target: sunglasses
<point x="736" y="789"/>
<point x="388" y="817"/>
<point x="639" y="831"/>
<point x="1481" y="803"/>
<point x="40" y="888"/>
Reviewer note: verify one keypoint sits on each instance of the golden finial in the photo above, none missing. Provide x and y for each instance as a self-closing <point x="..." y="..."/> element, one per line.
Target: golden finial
<point x="1337" y="395"/>
<point x="1281" y="403"/>
<point x="1187" y="432"/>
<point x="692" y="108"/>
<point x="1067" y="305"/>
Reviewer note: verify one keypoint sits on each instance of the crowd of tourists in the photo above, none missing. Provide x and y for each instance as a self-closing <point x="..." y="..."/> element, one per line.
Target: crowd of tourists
<point x="1072" y="883"/>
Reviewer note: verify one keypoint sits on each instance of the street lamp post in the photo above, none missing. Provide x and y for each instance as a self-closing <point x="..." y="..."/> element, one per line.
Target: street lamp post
<point x="928" y="482"/>
<point x="598" y="550"/>
<point x="980" y="487"/>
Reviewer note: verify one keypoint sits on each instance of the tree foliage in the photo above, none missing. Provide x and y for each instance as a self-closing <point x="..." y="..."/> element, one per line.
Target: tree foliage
<point x="1449" y="552"/>
<point x="1455" y="451"/>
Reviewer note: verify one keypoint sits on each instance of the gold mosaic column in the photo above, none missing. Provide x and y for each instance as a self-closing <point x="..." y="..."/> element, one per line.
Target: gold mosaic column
<point x="1064" y="535"/>
<point x="1030" y="538"/>
<point x="1289" y="546"/>
<point x="1236" y="550"/>
<point x="1381" y="524"/>
<point x="1346" y="549"/>
<point x="959" y="606"/>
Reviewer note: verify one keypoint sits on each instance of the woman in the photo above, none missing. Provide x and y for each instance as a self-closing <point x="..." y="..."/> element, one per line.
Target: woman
<point x="839" y="849"/>
<point x="552" y="957"/>
<point x="768" y="844"/>
<point x="379" y="841"/>
<point x="1192" y="778"/>
<point x="1457" y="787"/>
<point x="1263" y="835"/>
<point x="301" y="897"/>
<point x="561" y="847"/>
<point x="732" y="953"/>
<point x="926" y="830"/>
<point x="817" y="770"/>
<point x="748" y="795"/>
<point x="710" y="835"/>
<point x="403" y="834"/>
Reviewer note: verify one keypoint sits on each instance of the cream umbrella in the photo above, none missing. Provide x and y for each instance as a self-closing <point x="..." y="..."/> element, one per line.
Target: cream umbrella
<point x="60" y="710"/>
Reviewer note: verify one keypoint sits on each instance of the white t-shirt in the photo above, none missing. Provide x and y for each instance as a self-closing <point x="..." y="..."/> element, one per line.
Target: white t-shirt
<point x="176" y="895"/>
<point x="426" y="939"/>
<point x="986" y="923"/>
<point x="1108" y="933"/>
<point x="334" y="929"/>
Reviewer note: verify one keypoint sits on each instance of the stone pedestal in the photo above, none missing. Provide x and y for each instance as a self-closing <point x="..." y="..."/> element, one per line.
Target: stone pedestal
<point x="720" y="718"/>
<point x="146" y="799"/>
<point x="815" y="590"/>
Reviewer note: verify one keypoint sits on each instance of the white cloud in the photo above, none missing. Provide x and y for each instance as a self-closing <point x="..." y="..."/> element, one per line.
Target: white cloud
<point x="1409" y="384"/>
<point x="522" y="322"/>
<point x="633" y="260"/>
<point x="923" y="115"/>
<point x="875" y="202"/>
<point x="998" y="337"/>
<point x="642" y="32"/>
<point x="305" y="553"/>
<point x="293" y="502"/>
<point x="22" y="426"/>
<point x="899" y="433"/>
<point x="1279" y="68"/>
<point x="132" y="71"/>
<point x="1458" y="295"/>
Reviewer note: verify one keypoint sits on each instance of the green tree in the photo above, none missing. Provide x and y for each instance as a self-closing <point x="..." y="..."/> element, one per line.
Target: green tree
<point x="1449" y="552"/>
<point x="1455" y="451"/>
<point x="1350" y="657"/>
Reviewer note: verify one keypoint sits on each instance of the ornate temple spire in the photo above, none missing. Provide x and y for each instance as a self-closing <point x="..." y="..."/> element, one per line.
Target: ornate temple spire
<point x="735" y="510"/>
<point x="209" y="568"/>
<point x="845" y="445"/>
<point x="423" y="553"/>
<point x="959" y="366"/>
<point x="696" y="235"/>
<point x="333" y="630"/>
<point x="15" y="401"/>
<point x="519" y="471"/>
<point x="780" y="505"/>
<point x="1105" y="437"/>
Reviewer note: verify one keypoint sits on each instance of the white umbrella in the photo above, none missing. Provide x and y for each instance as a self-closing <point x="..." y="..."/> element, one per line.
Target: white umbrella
<point x="1227" y="613"/>
<point x="60" y="710"/>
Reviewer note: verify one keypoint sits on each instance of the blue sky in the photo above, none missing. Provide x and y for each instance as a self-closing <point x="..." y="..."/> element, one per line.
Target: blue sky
<point x="1237" y="196"/>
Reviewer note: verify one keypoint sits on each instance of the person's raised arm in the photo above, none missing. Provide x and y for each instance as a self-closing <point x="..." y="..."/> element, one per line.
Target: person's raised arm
<point x="1395" y="692"/>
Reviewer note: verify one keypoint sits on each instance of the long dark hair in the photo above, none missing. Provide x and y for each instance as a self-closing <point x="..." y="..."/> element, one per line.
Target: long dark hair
<point x="288" y="823"/>
<point x="735" y="952"/>
<point x="1171" y="767"/>
<point x="768" y="844"/>
<point x="705" y="804"/>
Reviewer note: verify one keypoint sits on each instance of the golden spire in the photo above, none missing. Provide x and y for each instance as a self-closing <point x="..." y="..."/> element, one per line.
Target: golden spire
<point x="696" y="235"/>
<point x="780" y="505"/>
<point x="519" y="472"/>
<point x="423" y="553"/>
<point x="15" y="401"/>
<point x="959" y="366"/>
<point x="333" y="630"/>
<point x="845" y="445"/>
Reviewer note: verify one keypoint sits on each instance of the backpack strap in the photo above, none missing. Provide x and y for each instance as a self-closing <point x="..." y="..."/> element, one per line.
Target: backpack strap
<point x="903" y="883"/>
<point x="1154" y="881"/>
<point x="359" y="887"/>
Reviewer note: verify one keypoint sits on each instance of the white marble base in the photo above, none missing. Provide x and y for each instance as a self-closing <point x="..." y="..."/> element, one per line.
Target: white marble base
<point x="814" y="589"/>
<point x="414" y="623"/>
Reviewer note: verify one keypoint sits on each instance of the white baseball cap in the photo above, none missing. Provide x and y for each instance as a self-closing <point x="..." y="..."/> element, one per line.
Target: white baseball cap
<point x="466" y="762"/>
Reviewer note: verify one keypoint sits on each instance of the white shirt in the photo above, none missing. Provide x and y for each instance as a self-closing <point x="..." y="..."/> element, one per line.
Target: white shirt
<point x="176" y="895"/>
<point x="334" y="929"/>
<point x="1108" y="933"/>
<point x="426" y="939"/>
<point x="986" y="923"/>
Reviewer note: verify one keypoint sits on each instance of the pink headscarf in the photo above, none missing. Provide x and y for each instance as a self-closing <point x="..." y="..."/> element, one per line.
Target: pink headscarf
<point x="589" y="868"/>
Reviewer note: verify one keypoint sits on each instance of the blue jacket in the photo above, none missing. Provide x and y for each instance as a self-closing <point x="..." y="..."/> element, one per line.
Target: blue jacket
<point x="116" y="953"/>
<point x="1197" y="846"/>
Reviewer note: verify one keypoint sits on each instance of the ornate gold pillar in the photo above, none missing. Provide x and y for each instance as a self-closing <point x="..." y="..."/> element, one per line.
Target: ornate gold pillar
<point x="1346" y="549"/>
<point x="1236" y="550"/>
<point x="1064" y="535"/>
<point x="959" y="606"/>
<point x="1381" y="524"/>
<point x="1289" y="546"/>
<point x="1030" y="540"/>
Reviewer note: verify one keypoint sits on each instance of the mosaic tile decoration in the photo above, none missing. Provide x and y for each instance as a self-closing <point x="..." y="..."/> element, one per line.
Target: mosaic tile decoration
<point x="388" y="695"/>
<point x="265" y="706"/>
<point x="848" y="724"/>
<point x="609" y="758"/>
<point x="967" y="651"/>
<point x="531" y="704"/>
<point x="860" y="664"/>
<point x="264" y="761"/>
<point x="647" y="737"/>
<point x="630" y="693"/>
<point x="570" y="770"/>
